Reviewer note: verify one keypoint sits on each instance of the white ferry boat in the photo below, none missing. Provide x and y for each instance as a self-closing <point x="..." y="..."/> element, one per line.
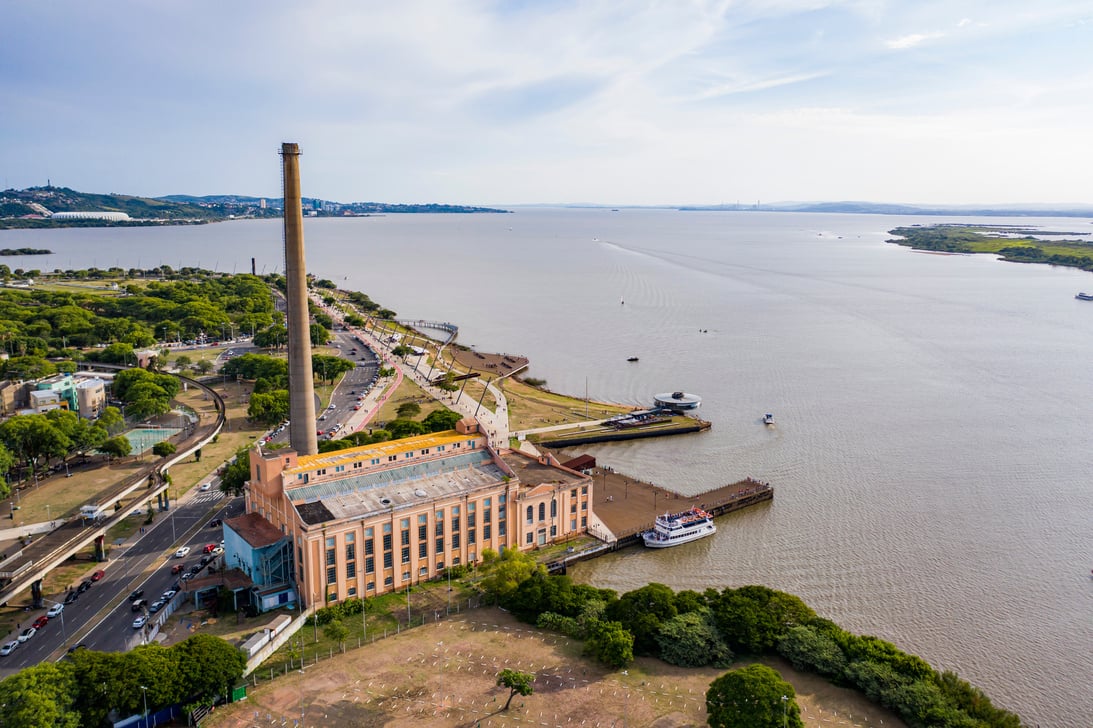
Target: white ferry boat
<point x="672" y="529"/>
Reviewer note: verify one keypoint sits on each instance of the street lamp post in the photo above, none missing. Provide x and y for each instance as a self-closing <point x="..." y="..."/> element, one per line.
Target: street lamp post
<point x="145" y="689"/>
<point x="785" y="702"/>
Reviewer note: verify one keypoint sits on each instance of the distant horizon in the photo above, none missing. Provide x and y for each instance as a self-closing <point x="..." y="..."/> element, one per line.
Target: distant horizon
<point x="727" y="206"/>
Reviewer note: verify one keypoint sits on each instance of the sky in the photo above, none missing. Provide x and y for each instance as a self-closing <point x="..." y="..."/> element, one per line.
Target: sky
<point x="615" y="102"/>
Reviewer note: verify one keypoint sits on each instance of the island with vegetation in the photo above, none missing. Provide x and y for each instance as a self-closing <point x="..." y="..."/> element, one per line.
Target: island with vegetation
<point x="25" y="251"/>
<point x="1012" y="243"/>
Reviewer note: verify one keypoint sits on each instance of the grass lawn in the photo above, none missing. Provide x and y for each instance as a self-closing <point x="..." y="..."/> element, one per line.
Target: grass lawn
<point x="445" y="674"/>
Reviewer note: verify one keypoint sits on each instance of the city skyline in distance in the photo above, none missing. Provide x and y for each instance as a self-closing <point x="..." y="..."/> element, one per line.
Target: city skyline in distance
<point x="967" y="103"/>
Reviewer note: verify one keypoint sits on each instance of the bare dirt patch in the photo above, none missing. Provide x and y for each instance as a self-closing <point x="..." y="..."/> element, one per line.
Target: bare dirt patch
<point x="445" y="675"/>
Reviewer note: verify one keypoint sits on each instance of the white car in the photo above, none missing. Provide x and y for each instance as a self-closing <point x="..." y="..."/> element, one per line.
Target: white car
<point x="218" y="550"/>
<point x="27" y="633"/>
<point x="168" y="594"/>
<point x="139" y="622"/>
<point x="8" y="648"/>
<point x="55" y="611"/>
<point x="181" y="553"/>
<point x="205" y="487"/>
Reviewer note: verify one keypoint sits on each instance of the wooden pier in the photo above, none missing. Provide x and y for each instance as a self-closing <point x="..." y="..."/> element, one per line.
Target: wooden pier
<point x="628" y="507"/>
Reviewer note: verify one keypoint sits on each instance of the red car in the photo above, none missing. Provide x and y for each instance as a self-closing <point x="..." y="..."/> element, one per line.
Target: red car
<point x="177" y="568"/>
<point x="209" y="548"/>
<point x="40" y="622"/>
<point x="98" y="575"/>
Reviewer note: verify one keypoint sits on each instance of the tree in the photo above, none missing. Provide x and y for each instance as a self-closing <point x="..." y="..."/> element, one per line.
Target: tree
<point x="610" y="643"/>
<point x="182" y="361"/>
<point x="408" y="410"/>
<point x="164" y="448"/>
<point x="642" y="611"/>
<point x="42" y="696"/>
<point x="111" y="418"/>
<point x="691" y="639"/>
<point x="204" y="366"/>
<point x="336" y="630"/>
<point x="269" y="408"/>
<point x="752" y="697"/>
<point x="504" y="573"/>
<point x="117" y="446"/>
<point x="441" y="420"/>
<point x="208" y="665"/>
<point x="404" y="428"/>
<point x="236" y="473"/>
<point x="518" y="683"/>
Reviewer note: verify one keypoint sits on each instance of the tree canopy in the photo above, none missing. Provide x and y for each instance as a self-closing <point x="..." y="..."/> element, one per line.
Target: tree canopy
<point x="755" y="696"/>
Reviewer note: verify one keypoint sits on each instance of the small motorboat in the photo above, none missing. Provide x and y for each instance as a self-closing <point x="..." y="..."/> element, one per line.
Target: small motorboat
<point x="1084" y="297"/>
<point x="632" y="358"/>
<point x="768" y="419"/>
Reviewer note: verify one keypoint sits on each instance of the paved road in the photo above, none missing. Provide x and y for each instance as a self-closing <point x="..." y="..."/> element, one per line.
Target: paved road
<point x="101" y="617"/>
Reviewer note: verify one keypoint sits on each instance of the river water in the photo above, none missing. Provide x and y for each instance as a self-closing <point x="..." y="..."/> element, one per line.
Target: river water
<point x="931" y="456"/>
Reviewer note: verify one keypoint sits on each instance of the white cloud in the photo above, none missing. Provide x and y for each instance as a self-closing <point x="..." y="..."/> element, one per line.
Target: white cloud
<point x="912" y="40"/>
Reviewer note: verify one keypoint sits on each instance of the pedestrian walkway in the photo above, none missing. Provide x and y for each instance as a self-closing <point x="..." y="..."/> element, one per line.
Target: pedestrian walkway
<point x="493" y="423"/>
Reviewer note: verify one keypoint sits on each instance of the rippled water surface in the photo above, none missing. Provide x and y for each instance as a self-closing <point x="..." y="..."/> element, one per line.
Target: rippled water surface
<point x="931" y="457"/>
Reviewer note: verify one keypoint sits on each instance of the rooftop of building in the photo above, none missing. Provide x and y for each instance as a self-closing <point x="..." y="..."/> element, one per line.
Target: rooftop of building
<point x="378" y="450"/>
<point x="359" y="496"/>
<point x="531" y="472"/>
<point x="255" y="530"/>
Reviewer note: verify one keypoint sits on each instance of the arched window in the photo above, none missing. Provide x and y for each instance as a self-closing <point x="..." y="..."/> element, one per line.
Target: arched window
<point x="542" y="511"/>
<point x="554" y="508"/>
<point x="531" y="514"/>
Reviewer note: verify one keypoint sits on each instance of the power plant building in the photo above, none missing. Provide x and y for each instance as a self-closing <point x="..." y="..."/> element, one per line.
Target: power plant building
<point x="370" y="520"/>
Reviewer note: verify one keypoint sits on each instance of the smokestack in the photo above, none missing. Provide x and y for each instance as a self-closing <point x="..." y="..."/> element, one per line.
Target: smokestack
<point x="301" y="389"/>
<point x="252" y="268"/>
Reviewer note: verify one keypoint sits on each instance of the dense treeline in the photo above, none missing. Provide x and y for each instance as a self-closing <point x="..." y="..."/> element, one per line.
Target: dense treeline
<point x="692" y="629"/>
<point x="43" y="322"/>
<point x="979" y="239"/>
<point x="90" y="689"/>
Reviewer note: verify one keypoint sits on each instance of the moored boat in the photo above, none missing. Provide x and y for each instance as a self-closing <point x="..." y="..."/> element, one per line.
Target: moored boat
<point x="1084" y="297"/>
<point x="768" y="418"/>
<point x="672" y="529"/>
<point x="632" y="358"/>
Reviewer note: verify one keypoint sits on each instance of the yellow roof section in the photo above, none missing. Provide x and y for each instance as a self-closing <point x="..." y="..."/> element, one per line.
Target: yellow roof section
<point x="379" y="450"/>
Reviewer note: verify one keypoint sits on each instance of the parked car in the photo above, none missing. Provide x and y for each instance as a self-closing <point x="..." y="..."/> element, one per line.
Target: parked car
<point x="196" y="568"/>
<point x="8" y="648"/>
<point x="55" y="611"/>
<point x="71" y="596"/>
<point x="136" y="594"/>
<point x="139" y="604"/>
<point x="98" y="575"/>
<point x="218" y="550"/>
<point x="215" y="523"/>
<point x="205" y="560"/>
<point x="156" y="606"/>
<point x="177" y="568"/>
<point x="187" y="576"/>
<point x="139" y="621"/>
<point x="84" y="586"/>
<point x="182" y="551"/>
<point x="167" y="595"/>
<point x="27" y="633"/>
<point x="40" y="622"/>
<point x="209" y="548"/>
